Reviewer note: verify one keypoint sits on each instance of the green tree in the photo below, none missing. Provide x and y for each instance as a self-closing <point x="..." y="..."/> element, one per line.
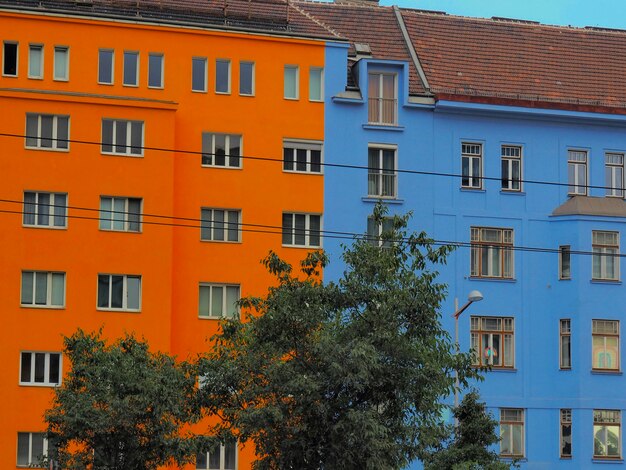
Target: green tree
<point x="120" y="407"/>
<point x="347" y="375"/>
<point x="468" y="447"/>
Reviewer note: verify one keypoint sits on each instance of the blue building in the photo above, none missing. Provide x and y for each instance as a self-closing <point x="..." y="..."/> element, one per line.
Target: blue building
<point x="509" y="138"/>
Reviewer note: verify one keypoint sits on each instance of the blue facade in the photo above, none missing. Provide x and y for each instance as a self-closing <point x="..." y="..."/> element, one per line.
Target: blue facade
<point x="428" y="138"/>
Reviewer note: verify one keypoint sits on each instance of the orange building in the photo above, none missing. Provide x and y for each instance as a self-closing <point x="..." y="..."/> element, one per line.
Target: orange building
<point x="152" y="152"/>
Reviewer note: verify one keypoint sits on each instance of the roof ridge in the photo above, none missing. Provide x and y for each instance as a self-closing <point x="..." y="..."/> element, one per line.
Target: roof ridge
<point x="314" y="19"/>
<point x="347" y="3"/>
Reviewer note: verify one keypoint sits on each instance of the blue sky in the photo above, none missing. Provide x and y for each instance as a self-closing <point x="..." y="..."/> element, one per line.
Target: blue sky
<point x="604" y="13"/>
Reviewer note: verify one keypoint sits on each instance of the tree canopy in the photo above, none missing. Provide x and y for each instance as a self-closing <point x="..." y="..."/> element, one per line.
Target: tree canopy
<point x="349" y="374"/>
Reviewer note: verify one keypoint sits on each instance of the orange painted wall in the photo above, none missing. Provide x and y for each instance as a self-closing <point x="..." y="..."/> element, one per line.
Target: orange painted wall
<point x="172" y="260"/>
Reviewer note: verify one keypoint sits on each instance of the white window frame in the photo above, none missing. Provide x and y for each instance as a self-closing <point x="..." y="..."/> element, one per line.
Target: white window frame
<point x="222" y="458"/>
<point x="125" y="215"/>
<point x="55" y="133"/>
<point x="31" y="47"/>
<point x="308" y="146"/>
<point x="209" y="222"/>
<point x="212" y="154"/>
<point x="511" y="424"/>
<point x="576" y="187"/>
<point x="49" y="277"/>
<point x="127" y="145"/>
<point x="253" y="78"/>
<point x="508" y="157"/>
<point x="612" y="180"/>
<point x="601" y="252"/>
<point x="112" y="51"/>
<point x="565" y="251"/>
<point x="565" y="419"/>
<point x="376" y="104"/>
<point x="52" y="206"/>
<point x="376" y="176"/>
<point x="297" y="84"/>
<point x="484" y="353"/>
<point x="307" y="230"/>
<point x="205" y="74"/>
<point x="597" y="332"/>
<point x="321" y="90"/>
<point x="17" y="58"/>
<point x="66" y="74"/>
<point x="228" y="63"/>
<point x="161" y="71"/>
<point x="605" y="424"/>
<point x="502" y="248"/>
<point x="124" y="307"/>
<point x="565" y="331"/>
<point x="473" y="181"/>
<point x="211" y="286"/>
<point x="136" y="82"/>
<point x="375" y="231"/>
<point x="44" y="450"/>
<point x="46" y="382"/>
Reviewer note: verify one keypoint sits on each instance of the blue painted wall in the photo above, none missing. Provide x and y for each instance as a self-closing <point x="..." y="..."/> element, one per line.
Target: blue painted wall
<point x="429" y="139"/>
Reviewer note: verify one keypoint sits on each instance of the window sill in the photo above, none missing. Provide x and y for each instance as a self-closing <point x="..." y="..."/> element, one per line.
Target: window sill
<point x="606" y="372"/>
<point x="384" y="200"/>
<point x="131" y="155"/>
<point x="220" y="167"/>
<point x="61" y="80"/>
<point x="512" y="193"/>
<point x="315" y="101"/>
<point x="44" y="227"/>
<point x="492" y="279"/>
<point x="156" y="88"/>
<point x="305" y="247"/>
<point x="35" y="78"/>
<point x="137" y="232"/>
<point x="120" y="310"/>
<point x="506" y="370"/>
<point x="222" y="92"/>
<point x="130" y="85"/>
<point x="106" y="84"/>
<point x="27" y="384"/>
<point x="246" y="95"/>
<point x="565" y="279"/>
<point x="472" y="190"/>
<point x="43" y="307"/>
<point x="383" y="127"/>
<point x="238" y="242"/>
<point x="8" y="76"/>
<point x="294" y="172"/>
<point x="47" y="149"/>
<point x="612" y="282"/>
<point x="291" y="99"/>
<point x="607" y="460"/>
<point x="198" y="91"/>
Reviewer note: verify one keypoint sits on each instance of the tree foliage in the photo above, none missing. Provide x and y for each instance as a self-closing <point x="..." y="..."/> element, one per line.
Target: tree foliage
<point x="120" y="407"/>
<point x="468" y="448"/>
<point x="346" y="375"/>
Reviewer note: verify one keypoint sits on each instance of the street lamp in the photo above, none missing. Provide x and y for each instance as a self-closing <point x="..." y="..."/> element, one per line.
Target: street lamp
<point x="474" y="296"/>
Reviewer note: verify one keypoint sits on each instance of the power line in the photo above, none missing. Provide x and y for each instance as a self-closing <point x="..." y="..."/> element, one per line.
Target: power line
<point x="277" y="230"/>
<point x="324" y="164"/>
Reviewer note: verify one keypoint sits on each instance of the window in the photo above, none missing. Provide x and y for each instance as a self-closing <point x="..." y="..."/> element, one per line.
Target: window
<point x="511" y="432"/>
<point x="32" y="449"/>
<point x="577" y="172"/>
<point x="565" y="344"/>
<point x="61" y="63"/>
<point x="119" y="292"/>
<point x="566" y="433"/>
<point x="492" y="341"/>
<point x="155" y="70"/>
<point x="511" y="168"/>
<point x="246" y="78"/>
<point x="131" y="68"/>
<point x="106" y="61"/>
<point x="301" y="230"/>
<point x="222" y="76"/>
<point x="605" y="345"/>
<point x="381" y="172"/>
<point x="292" y="88"/>
<point x="45" y="209"/>
<point x="47" y="131"/>
<point x="220" y="225"/>
<point x="614" y="174"/>
<point x="40" y="368"/>
<point x="606" y="434"/>
<point x="376" y="230"/>
<point x="120" y="213"/>
<point x="605" y="246"/>
<point x="382" y="99"/>
<point x="43" y="289"/>
<point x="491" y="253"/>
<point x="471" y="165"/>
<point x="316" y="84"/>
<point x="198" y="74"/>
<point x="35" y="61"/>
<point x="218" y="300"/>
<point x="565" y="271"/>
<point x="121" y="137"/>
<point x="223" y="458"/>
<point x="9" y="59"/>
<point x="302" y="157"/>
<point x="221" y="150"/>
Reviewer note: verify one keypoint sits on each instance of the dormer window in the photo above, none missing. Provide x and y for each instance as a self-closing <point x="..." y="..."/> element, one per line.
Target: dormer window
<point x="382" y="99"/>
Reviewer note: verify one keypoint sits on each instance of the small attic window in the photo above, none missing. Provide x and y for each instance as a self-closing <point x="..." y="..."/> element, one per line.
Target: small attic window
<point x="362" y="49"/>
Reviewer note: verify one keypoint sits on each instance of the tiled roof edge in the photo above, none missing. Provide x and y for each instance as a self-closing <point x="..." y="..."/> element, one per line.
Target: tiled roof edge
<point x="411" y="49"/>
<point x="314" y="19"/>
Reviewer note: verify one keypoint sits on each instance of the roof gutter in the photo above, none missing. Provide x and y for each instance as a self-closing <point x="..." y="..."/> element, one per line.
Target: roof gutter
<point x="409" y="45"/>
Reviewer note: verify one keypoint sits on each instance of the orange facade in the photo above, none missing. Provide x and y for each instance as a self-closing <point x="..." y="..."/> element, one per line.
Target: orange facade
<point x="166" y="255"/>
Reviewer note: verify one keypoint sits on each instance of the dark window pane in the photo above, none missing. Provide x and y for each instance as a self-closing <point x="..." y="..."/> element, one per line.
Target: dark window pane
<point x="233" y="226"/>
<point x="300" y="235"/>
<point x="155" y="70"/>
<point x="117" y="291"/>
<point x="27" y="287"/>
<point x="41" y="288"/>
<point x="246" y="72"/>
<point x="62" y="132"/>
<point x="130" y="68"/>
<point x="288" y="159"/>
<point x="29" y="208"/>
<point x="120" y="136"/>
<point x="222" y="76"/>
<point x="207" y="148"/>
<point x="218" y="225"/>
<point x="220" y="149"/>
<point x="230" y="449"/>
<point x="105" y="67"/>
<point x="134" y="214"/>
<point x="201" y="461"/>
<point x="43" y="209"/>
<point x="36" y="454"/>
<point x="107" y="135"/>
<point x="287" y="229"/>
<point x="214" y="459"/>
<point x="206" y="225"/>
<point x="136" y="137"/>
<point x="316" y="161"/>
<point x="46" y="131"/>
<point x="103" y="291"/>
<point x="55" y="369"/>
<point x="235" y="151"/>
<point x="60" y="202"/>
<point x="26" y="366"/>
<point x="23" y="445"/>
<point x="32" y="130"/>
<point x="301" y="160"/>
<point x="198" y="74"/>
<point x="40" y="367"/>
<point x="314" y="230"/>
<point x="10" y="59"/>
